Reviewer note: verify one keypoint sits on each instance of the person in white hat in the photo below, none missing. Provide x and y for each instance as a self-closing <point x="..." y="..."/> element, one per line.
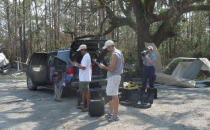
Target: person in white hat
<point x="114" y="71"/>
<point x="85" y="73"/>
<point x="150" y="58"/>
<point x="148" y="72"/>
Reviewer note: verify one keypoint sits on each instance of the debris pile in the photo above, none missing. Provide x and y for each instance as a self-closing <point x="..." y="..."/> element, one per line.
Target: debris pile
<point x="185" y="73"/>
<point x="4" y="63"/>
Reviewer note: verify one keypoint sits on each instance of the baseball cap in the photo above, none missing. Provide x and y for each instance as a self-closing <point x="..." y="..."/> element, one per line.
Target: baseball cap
<point x="81" y="47"/>
<point x="108" y="43"/>
<point x="150" y="48"/>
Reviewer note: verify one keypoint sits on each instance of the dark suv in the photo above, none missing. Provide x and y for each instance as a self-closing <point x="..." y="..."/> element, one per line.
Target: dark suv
<point x="41" y="65"/>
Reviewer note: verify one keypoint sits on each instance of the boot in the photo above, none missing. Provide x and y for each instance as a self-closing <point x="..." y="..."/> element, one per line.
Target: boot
<point x="141" y="93"/>
<point x="151" y="95"/>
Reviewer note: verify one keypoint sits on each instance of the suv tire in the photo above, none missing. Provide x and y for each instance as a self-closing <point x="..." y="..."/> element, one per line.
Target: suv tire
<point x="30" y="84"/>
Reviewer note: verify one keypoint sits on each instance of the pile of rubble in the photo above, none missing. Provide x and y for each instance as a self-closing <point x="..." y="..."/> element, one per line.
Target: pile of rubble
<point x="185" y="72"/>
<point x="4" y="63"/>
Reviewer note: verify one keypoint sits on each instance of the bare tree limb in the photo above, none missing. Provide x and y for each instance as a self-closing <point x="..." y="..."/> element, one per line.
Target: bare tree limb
<point x="117" y="21"/>
<point x="128" y="5"/>
<point x="151" y="6"/>
<point x="172" y="17"/>
<point x="109" y="30"/>
<point x="169" y="17"/>
<point x="196" y="8"/>
<point x="101" y="26"/>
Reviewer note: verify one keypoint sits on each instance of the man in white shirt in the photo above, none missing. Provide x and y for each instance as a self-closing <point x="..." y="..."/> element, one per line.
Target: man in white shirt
<point x="85" y="73"/>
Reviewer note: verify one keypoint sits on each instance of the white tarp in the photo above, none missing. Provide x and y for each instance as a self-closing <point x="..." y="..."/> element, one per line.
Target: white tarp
<point x="189" y="70"/>
<point x="206" y="63"/>
<point x="185" y="72"/>
<point x="179" y="70"/>
<point x="192" y="70"/>
<point x="3" y="60"/>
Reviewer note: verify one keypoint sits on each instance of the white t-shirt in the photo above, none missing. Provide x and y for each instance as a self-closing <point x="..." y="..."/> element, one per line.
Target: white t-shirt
<point x="85" y="75"/>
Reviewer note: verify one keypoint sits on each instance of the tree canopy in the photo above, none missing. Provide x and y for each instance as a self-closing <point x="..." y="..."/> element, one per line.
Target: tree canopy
<point x="147" y="12"/>
<point x="29" y="26"/>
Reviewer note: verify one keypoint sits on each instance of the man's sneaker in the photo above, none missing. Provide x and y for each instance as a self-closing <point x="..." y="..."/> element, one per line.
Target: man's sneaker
<point x="57" y="100"/>
<point x="113" y="118"/>
<point x="139" y="103"/>
<point x="85" y="109"/>
<point x="80" y="107"/>
<point x="107" y="116"/>
<point x="148" y="104"/>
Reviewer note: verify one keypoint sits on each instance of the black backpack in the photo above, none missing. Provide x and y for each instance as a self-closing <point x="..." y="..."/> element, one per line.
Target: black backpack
<point x="146" y="97"/>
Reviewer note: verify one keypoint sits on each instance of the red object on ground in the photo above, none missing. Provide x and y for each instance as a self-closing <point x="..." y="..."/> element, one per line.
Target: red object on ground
<point x="70" y="71"/>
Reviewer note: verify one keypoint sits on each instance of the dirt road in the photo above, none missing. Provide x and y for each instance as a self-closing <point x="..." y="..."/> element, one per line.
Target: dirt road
<point x="176" y="108"/>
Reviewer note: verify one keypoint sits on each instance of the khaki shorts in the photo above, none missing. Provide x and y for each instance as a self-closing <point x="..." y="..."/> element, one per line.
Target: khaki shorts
<point x="84" y="86"/>
<point x="113" y="84"/>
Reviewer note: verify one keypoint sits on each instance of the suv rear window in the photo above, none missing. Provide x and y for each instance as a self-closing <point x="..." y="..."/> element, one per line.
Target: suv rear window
<point x="39" y="59"/>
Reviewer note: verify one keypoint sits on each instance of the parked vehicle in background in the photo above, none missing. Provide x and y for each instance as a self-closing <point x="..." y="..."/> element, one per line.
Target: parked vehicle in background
<point x="52" y="68"/>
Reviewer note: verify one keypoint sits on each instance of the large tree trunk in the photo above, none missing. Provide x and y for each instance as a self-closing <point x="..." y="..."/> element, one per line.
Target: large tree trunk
<point x="82" y="22"/>
<point x="141" y="39"/>
<point x="30" y="30"/>
<point x="37" y="26"/>
<point x="55" y="23"/>
<point x="9" y="27"/>
<point x="75" y="20"/>
<point x="50" y="26"/>
<point x="45" y="21"/>
<point x="24" y="33"/>
<point x="16" y="46"/>
<point x="113" y="8"/>
<point x="20" y="30"/>
<point x="209" y="23"/>
<point x="58" y="22"/>
<point x="142" y="29"/>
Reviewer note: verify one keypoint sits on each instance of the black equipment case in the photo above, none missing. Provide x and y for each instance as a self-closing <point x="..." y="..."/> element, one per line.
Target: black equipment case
<point x="132" y="97"/>
<point x="97" y="102"/>
<point x="96" y="107"/>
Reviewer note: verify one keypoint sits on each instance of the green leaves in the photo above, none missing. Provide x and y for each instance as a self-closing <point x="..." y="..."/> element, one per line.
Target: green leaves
<point x="163" y="12"/>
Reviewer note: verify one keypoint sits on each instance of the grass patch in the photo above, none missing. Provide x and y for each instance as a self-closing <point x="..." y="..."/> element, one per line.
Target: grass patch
<point x="12" y="74"/>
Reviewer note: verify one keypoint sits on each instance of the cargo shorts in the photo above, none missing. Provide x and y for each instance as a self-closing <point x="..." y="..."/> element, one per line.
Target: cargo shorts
<point x="113" y="84"/>
<point x="84" y="86"/>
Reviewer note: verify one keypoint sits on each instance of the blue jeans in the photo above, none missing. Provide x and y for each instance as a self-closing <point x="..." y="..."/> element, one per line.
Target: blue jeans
<point x="148" y="73"/>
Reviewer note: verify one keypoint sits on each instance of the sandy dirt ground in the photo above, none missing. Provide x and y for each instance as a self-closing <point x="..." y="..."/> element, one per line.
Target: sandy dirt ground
<point x="176" y="109"/>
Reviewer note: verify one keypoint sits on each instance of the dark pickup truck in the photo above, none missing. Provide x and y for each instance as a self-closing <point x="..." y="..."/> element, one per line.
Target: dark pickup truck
<point x="43" y="67"/>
